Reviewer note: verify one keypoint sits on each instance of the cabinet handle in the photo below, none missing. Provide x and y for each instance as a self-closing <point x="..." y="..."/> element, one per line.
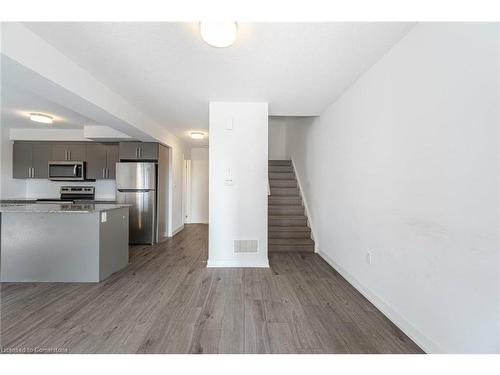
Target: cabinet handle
<point x="32" y="172"/>
<point x="107" y="173"/>
<point x="69" y="155"/>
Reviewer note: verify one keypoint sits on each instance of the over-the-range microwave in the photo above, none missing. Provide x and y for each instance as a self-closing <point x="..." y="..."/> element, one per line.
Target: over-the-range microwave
<point x="66" y="170"/>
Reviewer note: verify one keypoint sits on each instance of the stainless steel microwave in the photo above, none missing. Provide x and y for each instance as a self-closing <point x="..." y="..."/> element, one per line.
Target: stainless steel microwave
<point x="67" y="170"/>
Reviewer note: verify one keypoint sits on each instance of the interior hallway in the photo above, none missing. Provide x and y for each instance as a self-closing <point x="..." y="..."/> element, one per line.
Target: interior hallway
<point x="167" y="301"/>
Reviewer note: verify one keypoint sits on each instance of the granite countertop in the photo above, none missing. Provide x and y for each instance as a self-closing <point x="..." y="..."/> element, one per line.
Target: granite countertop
<point x="33" y="200"/>
<point x="58" y="207"/>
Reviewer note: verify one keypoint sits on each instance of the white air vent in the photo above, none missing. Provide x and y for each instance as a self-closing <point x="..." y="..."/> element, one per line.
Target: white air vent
<point x="246" y="246"/>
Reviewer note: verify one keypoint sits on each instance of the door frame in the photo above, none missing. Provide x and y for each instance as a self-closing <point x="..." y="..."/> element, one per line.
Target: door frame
<point x="187" y="189"/>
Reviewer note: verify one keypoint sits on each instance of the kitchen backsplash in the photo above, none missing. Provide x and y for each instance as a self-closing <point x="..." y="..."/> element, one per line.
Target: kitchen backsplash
<point x="104" y="189"/>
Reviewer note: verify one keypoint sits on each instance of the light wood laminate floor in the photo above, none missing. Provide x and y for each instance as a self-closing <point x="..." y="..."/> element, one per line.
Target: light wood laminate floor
<point x="167" y="301"/>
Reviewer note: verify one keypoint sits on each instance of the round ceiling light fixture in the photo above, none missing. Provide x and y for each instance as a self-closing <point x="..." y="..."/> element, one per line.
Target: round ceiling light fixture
<point x="197" y="135"/>
<point x="219" y="34"/>
<point x="40" y="117"/>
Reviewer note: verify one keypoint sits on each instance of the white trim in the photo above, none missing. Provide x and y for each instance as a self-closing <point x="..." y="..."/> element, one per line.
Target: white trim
<point x="236" y="263"/>
<point x="404" y="325"/>
<point x="187" y="169"/>
<point x="177" y="230"/>
<point x="306" y="207"/>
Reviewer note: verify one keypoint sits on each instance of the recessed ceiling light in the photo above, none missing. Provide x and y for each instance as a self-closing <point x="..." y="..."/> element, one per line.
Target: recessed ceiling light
<point x="197" y="135"/>
<point x="39" y="117"/>
<point x="219" y="34"/>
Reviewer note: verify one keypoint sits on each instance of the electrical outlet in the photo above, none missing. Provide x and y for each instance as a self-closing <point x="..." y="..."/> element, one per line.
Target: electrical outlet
<point x="369" y="257"/>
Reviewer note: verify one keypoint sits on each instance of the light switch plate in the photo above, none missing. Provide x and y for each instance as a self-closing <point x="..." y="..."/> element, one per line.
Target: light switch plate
<point x="228" y="182"/>
<point x="104" y="217"/>
<point x="229" y="124"/>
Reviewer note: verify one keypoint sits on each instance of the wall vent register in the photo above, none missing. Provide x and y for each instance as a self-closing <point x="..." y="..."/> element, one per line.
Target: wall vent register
<point x="246" y="246"/>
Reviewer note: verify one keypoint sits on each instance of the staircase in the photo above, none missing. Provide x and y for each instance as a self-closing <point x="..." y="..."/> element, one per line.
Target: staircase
<point x="288" y="230"/>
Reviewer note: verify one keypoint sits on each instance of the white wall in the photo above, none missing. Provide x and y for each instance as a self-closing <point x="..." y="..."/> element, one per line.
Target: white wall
<point x="239" y="211"/>
<point x="277" y="139"/>
<point x="405" y="166"/>
<point x="199" y="185"/>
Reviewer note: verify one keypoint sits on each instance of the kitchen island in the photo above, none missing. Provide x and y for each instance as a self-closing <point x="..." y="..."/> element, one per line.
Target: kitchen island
<point x="61" y="242"/>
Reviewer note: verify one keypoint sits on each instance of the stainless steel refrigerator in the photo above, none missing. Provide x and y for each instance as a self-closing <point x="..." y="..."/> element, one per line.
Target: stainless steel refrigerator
<point x="136" y="184"/>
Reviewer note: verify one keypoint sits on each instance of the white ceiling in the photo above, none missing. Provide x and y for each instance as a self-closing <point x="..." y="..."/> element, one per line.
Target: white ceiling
<point x="168" y="72"/>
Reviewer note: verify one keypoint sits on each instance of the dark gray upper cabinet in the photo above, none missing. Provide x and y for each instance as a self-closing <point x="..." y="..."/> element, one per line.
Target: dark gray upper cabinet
<point x="96" y="161"/>
<point x="111" y="159"/>
<point x="138" y="151"/>
<point x="148" y="151"/>
<point x="22" y="157"/>
<point x="101" y="161"/>
<point x="68" y="151"/>
<point x="30" y="159"/>
<point x="42" y="153"/>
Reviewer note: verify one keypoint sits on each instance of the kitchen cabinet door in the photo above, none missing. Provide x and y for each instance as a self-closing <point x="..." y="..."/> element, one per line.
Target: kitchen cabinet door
<point x="111" y="160"/>
<point x="129" y="150"/>
<point x="76" y="151"/>
<point x="22" y="159"/>
<point x="42" y="153"/>
<point x="96" y="161"/>
<point x="68" y="151"/>
<point x="148" y="151"/>
<point x="59" y="152"/>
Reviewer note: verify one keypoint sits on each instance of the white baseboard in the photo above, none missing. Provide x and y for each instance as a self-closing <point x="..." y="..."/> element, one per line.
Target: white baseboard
<point x="235" y="263"/>
<point x="425" y="343"/>
<point x="177" y="230"/>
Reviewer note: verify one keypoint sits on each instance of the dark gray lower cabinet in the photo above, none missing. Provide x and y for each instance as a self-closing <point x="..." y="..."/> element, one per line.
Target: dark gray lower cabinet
<point x="101" y="161"/>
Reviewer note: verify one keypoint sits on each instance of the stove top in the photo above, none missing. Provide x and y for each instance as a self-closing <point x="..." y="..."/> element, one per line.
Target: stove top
<point x="72" y="194"/>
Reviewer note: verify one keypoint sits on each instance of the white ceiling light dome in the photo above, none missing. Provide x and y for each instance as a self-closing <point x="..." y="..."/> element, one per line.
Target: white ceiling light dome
<point x="219" y="34"/>
<point x="197" y="135"/>
<point x="41" y="118"/>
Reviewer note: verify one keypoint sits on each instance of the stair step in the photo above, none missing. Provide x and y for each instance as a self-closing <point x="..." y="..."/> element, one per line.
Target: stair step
<point x="281" y="176"/>
<point x="287" y="235"/>
<point x="280" y="162"/>
<point x="291" y="241"/>
<point x="275" y="210"/>
<point x="284" y="200"/>
<point x="289" y="220"/>
<point x="291" y="248"/>
<point x="284" y="191"/>
<point x="281" y="228"/>
<point x="283" y="183"/>
<point x="280" y="169"/>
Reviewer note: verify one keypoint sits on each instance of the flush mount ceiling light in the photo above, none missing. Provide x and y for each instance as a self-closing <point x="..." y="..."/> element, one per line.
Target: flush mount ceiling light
<point x="219" y="34"/>
<point x="197" y="135"/>
<point x="40" y="117"/>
